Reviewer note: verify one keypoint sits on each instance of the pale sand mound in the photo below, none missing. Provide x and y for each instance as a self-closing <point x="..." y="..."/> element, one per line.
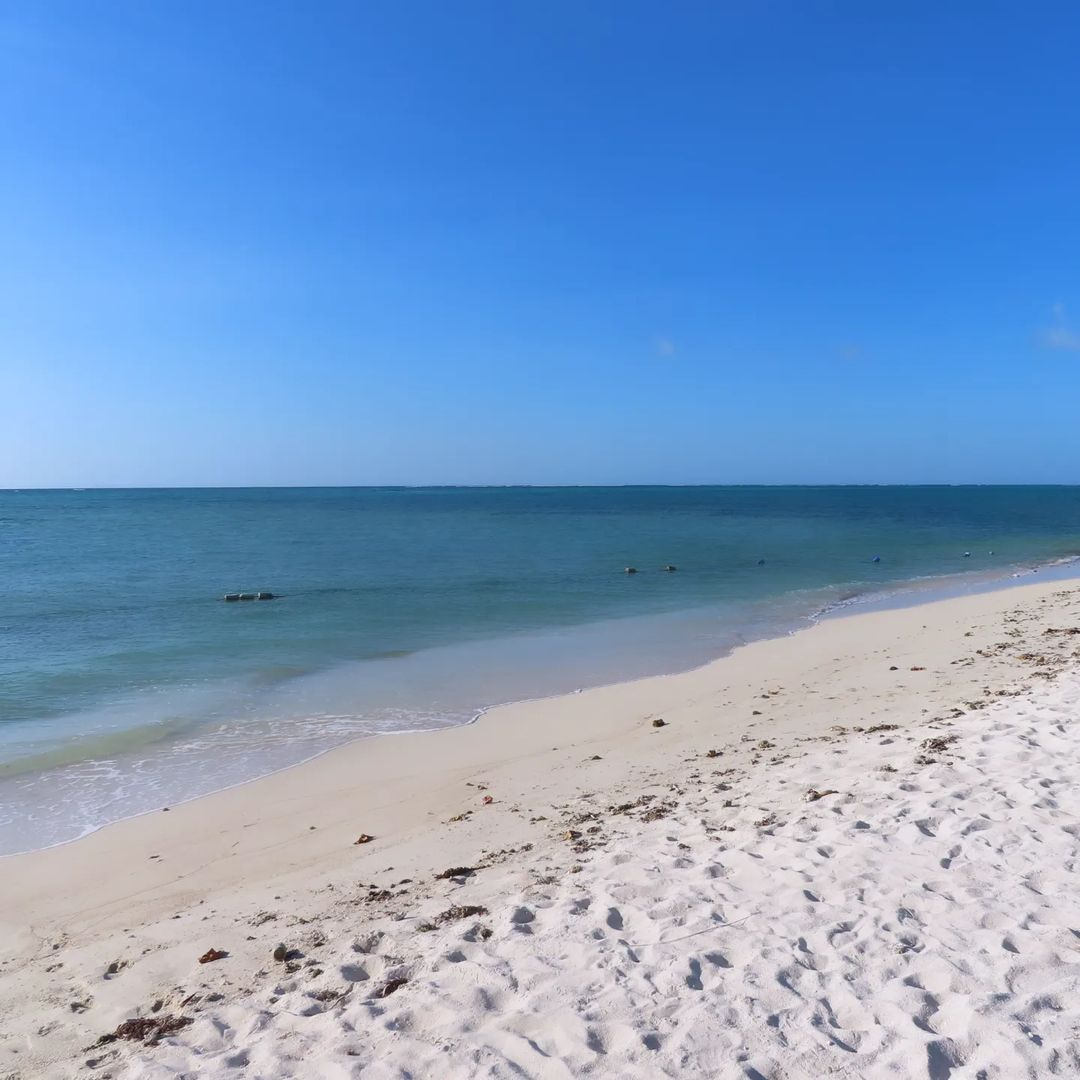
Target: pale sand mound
<point x="924" y="922"/>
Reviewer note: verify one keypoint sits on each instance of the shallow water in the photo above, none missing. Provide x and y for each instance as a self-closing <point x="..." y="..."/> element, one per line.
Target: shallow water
<point x="126" y="683"/>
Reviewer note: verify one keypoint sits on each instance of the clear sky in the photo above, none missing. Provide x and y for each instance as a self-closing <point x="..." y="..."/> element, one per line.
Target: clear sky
<point x="525" y="242"/>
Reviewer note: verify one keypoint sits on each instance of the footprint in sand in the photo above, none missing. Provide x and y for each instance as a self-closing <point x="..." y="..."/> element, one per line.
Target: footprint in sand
<point x="718" y="959"/>
<point x="522" y="916"/>
<point x="841" y="930"/>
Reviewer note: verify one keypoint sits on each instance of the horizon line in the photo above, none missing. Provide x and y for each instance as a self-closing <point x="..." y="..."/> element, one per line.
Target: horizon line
<point x="512" y="487"/>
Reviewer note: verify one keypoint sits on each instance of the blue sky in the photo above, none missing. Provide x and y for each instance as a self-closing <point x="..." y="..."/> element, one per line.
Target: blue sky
<point x="403" y="242"/>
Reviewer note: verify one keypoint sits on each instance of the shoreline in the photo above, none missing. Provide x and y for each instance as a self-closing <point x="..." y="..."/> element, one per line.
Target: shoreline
<point x="285" y="843"/>
<point x="896" y="595"/>
<point x="901" y="599"/>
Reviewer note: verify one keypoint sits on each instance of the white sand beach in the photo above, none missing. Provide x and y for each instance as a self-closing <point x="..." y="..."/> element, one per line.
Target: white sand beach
<point x="851" y="852"/>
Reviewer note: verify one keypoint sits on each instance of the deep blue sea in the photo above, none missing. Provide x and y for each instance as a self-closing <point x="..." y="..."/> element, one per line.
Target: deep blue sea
<point x="127" y="683"/>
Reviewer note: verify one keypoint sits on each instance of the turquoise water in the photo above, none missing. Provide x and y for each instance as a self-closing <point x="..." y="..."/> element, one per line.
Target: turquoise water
<point x="126" y="683"/>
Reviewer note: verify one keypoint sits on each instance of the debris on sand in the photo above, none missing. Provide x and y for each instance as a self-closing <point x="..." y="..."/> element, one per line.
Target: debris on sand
<point x="875" y="728"/>
<point x="146" y="1029"/>
<point x="458" y="912"/>
<point x="813" y="794"/>
<point x="211" y="955"/>
<point x="625" y="808"/>
<point x="456" y="871"/>
<point x="364" y="838"/>
<point x="389" y="987"/>
<point x="659" y="722"/>
<point x="938" y="743"/>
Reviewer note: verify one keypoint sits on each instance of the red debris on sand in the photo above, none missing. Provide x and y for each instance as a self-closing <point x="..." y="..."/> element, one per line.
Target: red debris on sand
<point x="211" y="955"/>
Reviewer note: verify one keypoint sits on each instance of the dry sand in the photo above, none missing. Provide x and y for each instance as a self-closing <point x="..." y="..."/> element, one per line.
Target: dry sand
<point x="852" y="852"/>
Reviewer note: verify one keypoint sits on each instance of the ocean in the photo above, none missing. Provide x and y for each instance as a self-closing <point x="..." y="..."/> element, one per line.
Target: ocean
<point x="128" y="683"/>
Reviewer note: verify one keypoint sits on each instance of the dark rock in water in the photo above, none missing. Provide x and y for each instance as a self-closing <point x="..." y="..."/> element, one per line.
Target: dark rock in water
<point x="266" y="596"/>
<point x="231" y="597"/>
<point x="630" y="570"/>
<point x="670" y="569"/>
<point x="761" y="562"/>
